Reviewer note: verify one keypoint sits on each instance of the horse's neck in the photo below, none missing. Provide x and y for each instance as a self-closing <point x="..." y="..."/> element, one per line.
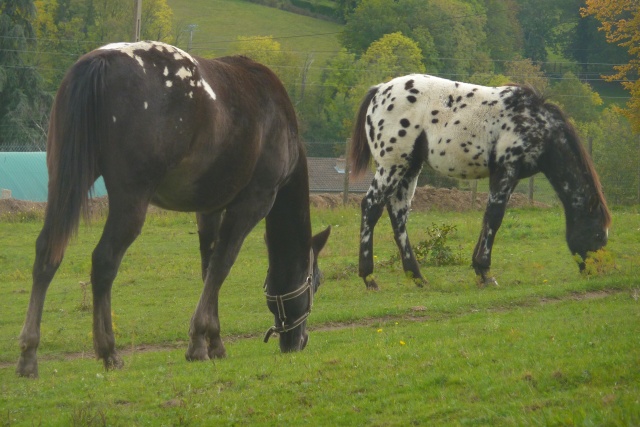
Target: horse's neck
<point x="288" y="229"/>
<point x="567" y="174"/>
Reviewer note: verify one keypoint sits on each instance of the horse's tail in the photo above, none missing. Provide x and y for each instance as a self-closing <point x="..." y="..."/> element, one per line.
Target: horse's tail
<point x="359" y="153"/>
<point x="75" y="129"/>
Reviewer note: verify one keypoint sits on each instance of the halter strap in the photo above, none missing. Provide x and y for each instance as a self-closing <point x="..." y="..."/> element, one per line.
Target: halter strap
<point x="307" y="287"/>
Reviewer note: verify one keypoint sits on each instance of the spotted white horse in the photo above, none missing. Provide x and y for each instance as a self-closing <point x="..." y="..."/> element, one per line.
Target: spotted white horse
<point x="469" y="131"/>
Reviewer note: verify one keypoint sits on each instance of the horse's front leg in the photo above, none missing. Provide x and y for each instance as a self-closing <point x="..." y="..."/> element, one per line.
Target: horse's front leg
<point x="204" y="330"/>
<point x="500" y="192"/>
<point x="371" y="209"/>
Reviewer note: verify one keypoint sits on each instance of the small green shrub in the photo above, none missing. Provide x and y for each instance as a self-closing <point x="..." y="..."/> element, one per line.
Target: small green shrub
<point x="435" y="250"/>
<point x="599" y="263"/>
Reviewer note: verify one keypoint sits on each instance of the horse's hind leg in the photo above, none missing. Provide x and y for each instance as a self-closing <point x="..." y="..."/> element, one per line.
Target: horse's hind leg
<point x="398" y="207"/>
<point x="123" y="225"/>
<point x="204" y="330"/>
<point x="371" y="207"/>
<point x="43" y="272"/>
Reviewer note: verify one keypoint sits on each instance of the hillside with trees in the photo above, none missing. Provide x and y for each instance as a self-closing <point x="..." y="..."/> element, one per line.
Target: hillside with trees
<point x="583" y="56"/>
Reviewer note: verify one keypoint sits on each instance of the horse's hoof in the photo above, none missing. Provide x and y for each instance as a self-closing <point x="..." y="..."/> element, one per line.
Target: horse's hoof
<point x="113" y="362"/>
<point x="27" y="369"/>
<point x="420" y="282"/>
<point x="484" y="281"/>
<point x="196" y="354"/>
<point x="371" y="285"/>
<point x="217" y="352"/>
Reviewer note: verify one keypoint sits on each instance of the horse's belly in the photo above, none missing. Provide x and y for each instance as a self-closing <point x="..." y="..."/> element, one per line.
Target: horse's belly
<point x="460" y="164"/>
<point x="184" y="190"/>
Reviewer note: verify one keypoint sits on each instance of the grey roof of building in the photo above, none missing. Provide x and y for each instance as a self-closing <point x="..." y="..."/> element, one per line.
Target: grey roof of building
<point x="326" y="175"/>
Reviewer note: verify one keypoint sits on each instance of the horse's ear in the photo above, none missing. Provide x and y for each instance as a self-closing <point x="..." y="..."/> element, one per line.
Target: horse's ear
<point x="319" y="240"/>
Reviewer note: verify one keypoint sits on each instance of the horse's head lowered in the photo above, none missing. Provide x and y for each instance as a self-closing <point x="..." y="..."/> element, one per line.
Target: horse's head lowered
<point x="578" y="186"/>
<point x="588" y="229"/>
<point x="292" y="308"/>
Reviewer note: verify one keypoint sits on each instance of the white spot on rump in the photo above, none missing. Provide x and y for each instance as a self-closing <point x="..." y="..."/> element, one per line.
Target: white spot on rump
<point x="139" y="59"/>
<point x="208" y="89"/>
<point x="146" y="105"/>
<point x="165" y="72"/>
<point x="183" y="73"/>
<point x="169" y="83"/>
<point x="130" y="49"/>
<point x="114" y="119"/>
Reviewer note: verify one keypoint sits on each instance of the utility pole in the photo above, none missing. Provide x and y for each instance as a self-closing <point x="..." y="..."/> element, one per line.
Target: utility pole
<point x="191" y="28"/>
<point x="137" y="19"/>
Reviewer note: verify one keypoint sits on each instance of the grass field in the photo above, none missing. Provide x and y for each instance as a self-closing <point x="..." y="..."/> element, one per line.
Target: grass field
<point x="547" y="347"/>
<point x="220" y="22"/>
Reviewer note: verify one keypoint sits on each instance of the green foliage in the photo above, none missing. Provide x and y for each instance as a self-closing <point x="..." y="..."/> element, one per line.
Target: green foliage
<point x="67" y="29"/>
<point x="390" y="56"/>
<point x="504" y="33"/>
<point x="616" y="154"/>
<point x="578" y="99"/>
<point x="599" y="263"/>
<point x="22" y="101"/>
<point x="347" y="79"/>
<point x="524" y="71"/>
<point x="449" y="33"/>
<point x="538" y="19"/>
<point x="434" y="250"/>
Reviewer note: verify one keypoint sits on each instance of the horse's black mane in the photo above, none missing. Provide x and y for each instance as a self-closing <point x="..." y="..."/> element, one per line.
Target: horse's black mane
<point x="535" y="100"/>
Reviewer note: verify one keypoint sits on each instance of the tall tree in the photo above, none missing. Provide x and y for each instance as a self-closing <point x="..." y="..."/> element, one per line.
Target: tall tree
<point x="577" y="98"/>
<point x="335" y="108"/>
<point x="450" y="33"/>
<point x="504" y="34"/>
<point x="621" y="23"/>
<point x="392" y="56"/>
<point x="589" y="47"/>
<point x="539" y="20"/>
<point x="20" y="93"/>
<point x="524" y="71"/>
<point x="616" y="153"/>
<point x="67" y="29"/>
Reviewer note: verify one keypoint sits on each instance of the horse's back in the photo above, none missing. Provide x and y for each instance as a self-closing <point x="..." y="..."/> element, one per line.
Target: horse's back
<point x="467" y="126"/>
<point x="194" y="131"/>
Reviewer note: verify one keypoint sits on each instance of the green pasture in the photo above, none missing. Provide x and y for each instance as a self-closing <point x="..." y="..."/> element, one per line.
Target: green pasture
<point x="546" y="347"/>
<point x="220" y="22"/>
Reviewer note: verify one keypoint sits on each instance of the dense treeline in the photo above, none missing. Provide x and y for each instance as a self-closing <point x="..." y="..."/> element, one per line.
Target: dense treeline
<point x="554" y="45"/>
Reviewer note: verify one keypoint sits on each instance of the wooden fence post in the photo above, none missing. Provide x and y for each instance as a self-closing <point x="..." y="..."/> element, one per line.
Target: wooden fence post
<point x="531" y="191"/>
<point x="474" y="191"/>
<point x="345" y="192"/>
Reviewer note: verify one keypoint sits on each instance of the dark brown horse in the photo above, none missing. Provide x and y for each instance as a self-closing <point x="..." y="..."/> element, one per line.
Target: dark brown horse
<point x="216" y="137"/>
<point x="469" y="131"/>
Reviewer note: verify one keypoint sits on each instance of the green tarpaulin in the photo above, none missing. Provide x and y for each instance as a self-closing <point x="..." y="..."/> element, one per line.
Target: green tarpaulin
<point x="25" y="175"/>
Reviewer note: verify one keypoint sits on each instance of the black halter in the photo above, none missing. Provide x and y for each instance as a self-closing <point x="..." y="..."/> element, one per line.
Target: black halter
<point x="307" y="287"/>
